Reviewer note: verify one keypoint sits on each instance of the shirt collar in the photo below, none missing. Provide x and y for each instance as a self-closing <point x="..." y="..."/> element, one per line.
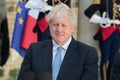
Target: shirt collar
<point x="65" y="46"/>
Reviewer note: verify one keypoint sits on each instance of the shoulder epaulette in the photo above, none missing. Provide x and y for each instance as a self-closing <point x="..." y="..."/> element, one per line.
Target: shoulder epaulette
<point x="96" y="1"/>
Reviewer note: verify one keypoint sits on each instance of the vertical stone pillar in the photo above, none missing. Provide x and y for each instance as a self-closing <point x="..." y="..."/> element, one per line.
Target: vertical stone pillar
<point x="86" y="30"/>
<point x="74" y="7"/>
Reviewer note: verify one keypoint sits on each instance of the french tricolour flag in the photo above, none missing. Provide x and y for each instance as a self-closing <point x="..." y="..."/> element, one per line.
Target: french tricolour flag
<point x="29" y="36"/>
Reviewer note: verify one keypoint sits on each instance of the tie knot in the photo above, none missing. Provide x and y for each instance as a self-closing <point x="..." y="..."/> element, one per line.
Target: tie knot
<point x="59" y="49"/>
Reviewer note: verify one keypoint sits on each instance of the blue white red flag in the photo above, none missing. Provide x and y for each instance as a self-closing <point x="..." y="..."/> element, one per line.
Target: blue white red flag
<point x="19" y="25"/>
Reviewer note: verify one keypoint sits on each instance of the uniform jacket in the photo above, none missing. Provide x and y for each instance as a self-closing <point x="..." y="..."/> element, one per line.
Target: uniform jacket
<point x="105" y="6"/>
<point x="4" y="34"/>
<point x="80" y="61"/>
<point x="4" y="42"/>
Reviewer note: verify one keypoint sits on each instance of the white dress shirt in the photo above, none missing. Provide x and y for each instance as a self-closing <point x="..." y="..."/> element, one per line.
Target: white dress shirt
<point x="65" y="46"/>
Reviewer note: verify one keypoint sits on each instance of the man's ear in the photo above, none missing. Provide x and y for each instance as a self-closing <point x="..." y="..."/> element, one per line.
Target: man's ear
<point x="73" y="28"/>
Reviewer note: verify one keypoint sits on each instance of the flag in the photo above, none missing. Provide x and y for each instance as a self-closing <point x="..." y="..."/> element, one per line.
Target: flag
<point x="29" y="35"/>
<point x="33" y="32"/>
<point x="19" y="28"/>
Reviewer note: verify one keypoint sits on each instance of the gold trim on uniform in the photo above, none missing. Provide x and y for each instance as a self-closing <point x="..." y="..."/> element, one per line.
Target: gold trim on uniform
<point x="96" y="1"/>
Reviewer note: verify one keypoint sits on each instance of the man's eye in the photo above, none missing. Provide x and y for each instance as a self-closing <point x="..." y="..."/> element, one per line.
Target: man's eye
<point x="55" y="25"/>
<point x="64" y="26"/>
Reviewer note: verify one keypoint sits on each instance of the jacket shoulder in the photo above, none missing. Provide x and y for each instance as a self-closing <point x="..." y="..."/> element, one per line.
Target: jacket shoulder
<point x="41" y="43"/>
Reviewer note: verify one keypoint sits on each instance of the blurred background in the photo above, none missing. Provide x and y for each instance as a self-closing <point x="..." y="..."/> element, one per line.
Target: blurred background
<point x="84" y="33"/>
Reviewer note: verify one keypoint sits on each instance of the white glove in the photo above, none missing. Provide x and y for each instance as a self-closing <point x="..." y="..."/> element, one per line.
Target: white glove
<point x="95" y="19"/>
<point x="105" y="22"/>
<point x="35" y="4"/>
<point x="39" y="5"/>
<point x="46" y="8"/>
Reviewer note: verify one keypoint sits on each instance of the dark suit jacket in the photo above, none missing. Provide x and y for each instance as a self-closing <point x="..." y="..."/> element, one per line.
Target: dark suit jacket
<point x="115" y="74"/>
<point x="80" y="61"/>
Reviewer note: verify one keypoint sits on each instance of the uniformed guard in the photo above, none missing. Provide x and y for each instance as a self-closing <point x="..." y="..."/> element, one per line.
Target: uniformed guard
<point x="4" y="36"/>
<point x="108" y="32"/>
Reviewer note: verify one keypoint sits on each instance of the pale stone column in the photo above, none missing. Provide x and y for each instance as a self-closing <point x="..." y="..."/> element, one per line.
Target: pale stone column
<point x="74" y="7"/>
<point x="86" y="30"/>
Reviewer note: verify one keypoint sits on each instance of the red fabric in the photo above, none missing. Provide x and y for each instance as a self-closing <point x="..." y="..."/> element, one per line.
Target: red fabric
<point x="118" y="28"/>
<point x="43" y="24"/>
<point x="106" y="32"/>
<point x="29" y="36"/>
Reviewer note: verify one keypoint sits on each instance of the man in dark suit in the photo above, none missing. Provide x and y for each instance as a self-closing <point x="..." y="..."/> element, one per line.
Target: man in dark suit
<point x="115" y="73"/>
<point x="108" y="33"/>
<point x="78" y="61"/>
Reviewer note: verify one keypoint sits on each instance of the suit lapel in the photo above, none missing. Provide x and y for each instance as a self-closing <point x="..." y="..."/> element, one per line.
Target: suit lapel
<point x="47" y="56"/>
<point x="70" y="55"/>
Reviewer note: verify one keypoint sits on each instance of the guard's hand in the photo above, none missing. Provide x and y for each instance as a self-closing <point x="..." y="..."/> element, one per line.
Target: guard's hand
<point x="35" y="4"/>
<point x="105" y="22"/>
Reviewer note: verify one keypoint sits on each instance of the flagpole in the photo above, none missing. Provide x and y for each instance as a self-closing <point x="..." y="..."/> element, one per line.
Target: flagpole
<point x="53" y="3"/>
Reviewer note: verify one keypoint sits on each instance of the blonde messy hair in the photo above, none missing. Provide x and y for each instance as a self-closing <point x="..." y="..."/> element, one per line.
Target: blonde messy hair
<point x="59" y="10"/>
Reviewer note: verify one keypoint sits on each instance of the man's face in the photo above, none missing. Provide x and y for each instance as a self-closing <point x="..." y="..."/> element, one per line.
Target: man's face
<point x="61" y="29"/>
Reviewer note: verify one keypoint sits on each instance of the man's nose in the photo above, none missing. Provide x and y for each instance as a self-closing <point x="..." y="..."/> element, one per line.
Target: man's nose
<point x="59" y="28"/>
